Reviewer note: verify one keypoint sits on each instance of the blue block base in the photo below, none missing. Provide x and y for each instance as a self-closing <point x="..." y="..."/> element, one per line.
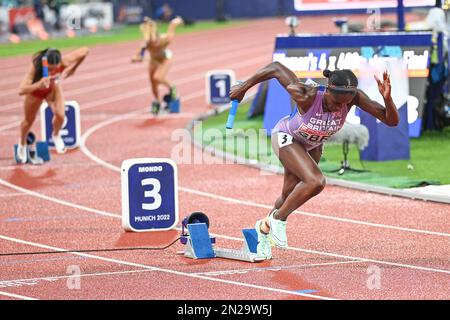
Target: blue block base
<point x="42" y="151"/>
<point x="251" y="238"/>
<point x="200" y="240"/>
<point x="174" y="106"/>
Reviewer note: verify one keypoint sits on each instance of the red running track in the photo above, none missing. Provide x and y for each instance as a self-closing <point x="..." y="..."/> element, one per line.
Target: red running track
<point x="338" y="241"/>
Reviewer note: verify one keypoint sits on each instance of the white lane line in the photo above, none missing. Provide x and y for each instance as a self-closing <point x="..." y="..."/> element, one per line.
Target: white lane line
<point x="12" y="295"/>
<point x="169" y="271"/>
<point x="62" y="202"/>
<point x="53" y="278"/>
<point x="209" y="273"/>
<point x="276" y="268"/>
<point x="9" y="126"/>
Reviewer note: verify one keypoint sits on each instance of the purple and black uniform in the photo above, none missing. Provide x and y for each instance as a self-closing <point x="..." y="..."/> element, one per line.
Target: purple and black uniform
<point x="315" y="126"/>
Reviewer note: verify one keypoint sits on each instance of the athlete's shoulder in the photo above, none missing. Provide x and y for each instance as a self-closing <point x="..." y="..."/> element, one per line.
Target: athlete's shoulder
<point x="309" y="93"/>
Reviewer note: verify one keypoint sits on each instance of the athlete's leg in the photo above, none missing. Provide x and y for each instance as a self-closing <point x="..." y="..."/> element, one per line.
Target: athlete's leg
<point x="290" y="180"/>
<point x="31" y="108"/>
<point x="300" y="163"/>
<point x="153" y="82"/>
<point x="303" y="180"/>
<point x="55" y="99"/>
<point x="161" y="73"/>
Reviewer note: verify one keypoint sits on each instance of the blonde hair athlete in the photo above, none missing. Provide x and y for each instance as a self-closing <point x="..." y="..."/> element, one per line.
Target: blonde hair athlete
<point x="160" y="56"/>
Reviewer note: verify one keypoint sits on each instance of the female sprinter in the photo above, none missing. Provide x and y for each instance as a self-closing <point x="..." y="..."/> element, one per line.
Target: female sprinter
<point x="160" y="56"/>
<point x="37" y="88"/>
<point x="297" y="139"/>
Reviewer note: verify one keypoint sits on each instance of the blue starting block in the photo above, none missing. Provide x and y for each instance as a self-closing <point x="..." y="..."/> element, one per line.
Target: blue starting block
<point x="37" y="152"/>
<point x="42" y="149"/>
<point x="172" y="102"/>
<point x="199" y="241"/>
<point x="174" y="106"/>
<point x="200" y="245"/>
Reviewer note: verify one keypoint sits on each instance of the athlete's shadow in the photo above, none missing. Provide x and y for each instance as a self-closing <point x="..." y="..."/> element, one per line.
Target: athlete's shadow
<point x="151" y="122"/>
<point x="26" y="179"/>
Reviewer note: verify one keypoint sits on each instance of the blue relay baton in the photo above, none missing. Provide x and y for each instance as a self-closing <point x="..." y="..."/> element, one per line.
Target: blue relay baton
<point x="142" y="52"/>
<point x="232" y="114"/>
<point x="44" y="67"/>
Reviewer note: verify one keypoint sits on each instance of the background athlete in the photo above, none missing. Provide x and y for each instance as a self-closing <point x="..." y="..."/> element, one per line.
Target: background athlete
<point x="298" y="139"/>
<point x="36" y="89"/>
<point x="160" y="56"/>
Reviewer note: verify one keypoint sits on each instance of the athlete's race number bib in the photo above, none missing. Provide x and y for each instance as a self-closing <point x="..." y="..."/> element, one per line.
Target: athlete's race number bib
<point x="284" y="139"/>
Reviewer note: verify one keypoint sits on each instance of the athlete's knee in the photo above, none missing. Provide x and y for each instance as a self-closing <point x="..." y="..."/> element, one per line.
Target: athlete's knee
<point x="158" y="78"/>
<point x="27" y="122"/>
<point x="59" y="115"/>
<point x="316" y="184"/>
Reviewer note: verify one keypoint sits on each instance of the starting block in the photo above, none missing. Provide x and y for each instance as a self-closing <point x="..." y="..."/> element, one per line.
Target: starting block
<point x="172" y="102"/>
<point x="174" y="106"/>
<point x="37" y="152"/>
<point x="200" y="245"/>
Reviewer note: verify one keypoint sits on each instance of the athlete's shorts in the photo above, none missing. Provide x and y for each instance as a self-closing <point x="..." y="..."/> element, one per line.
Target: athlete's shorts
<point x="282" y="139"/>
<point x="279" y="140"/>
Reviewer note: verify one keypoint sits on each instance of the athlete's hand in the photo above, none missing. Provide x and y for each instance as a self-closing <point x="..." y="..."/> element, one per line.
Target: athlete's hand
<point x="136" y="58"/>
<point x="385" y="86"/>
<point x="43" y="83"/>
<point x="177" y="21"/>
<point x="237" y="92"/>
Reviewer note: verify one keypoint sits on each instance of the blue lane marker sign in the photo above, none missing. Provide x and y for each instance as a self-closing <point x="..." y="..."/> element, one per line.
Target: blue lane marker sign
<point x="218" y="84"/>
<point x="149" y="194"/>
<point x="70" y="131"/>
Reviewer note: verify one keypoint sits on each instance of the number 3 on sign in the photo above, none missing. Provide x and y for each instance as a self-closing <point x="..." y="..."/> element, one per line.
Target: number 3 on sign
<point x="154" y="193"/>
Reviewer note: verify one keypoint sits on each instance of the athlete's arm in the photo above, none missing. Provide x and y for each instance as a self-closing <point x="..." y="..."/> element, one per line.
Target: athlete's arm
<point x="174" y="23"/>
<point x="389" y="114"/>
<point x="72" y="60"/>
<point x="139" y="56"/>
<point x="27" y="86"/>
<point x="299" y="92"/>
